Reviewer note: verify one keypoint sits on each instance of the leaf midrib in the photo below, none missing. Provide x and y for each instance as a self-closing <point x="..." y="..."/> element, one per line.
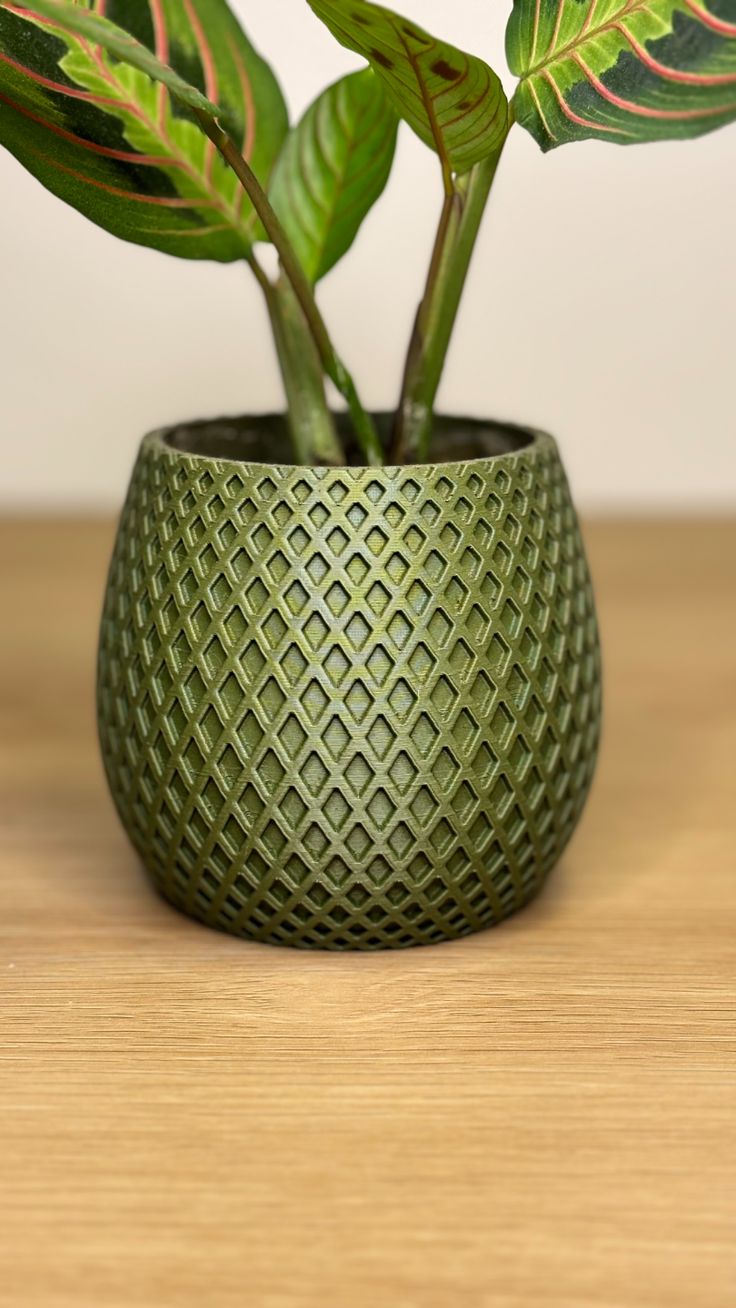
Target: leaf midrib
<point x="428" y="102"/>
<point x="160" y="133"/>
<point x="423" y="93"/>
<point x="209" y="193"/>
<point x="583" y="37"/>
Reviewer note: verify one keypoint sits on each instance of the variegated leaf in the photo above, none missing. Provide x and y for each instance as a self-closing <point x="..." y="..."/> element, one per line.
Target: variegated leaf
<point x="452" y="100"/>
<point x="334" y="165"/>
<point x="84" y="106"/>
<point x="622" y="70"/>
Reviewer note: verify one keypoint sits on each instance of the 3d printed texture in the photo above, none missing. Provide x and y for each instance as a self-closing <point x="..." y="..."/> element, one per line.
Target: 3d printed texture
<point x="349" y="708"/>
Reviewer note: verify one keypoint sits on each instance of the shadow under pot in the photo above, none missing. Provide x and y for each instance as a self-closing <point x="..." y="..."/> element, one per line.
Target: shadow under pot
<point x="348" y="708"/>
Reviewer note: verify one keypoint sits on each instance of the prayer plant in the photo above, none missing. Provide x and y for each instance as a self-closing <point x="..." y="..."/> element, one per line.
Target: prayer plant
<point x="158" y="120"/>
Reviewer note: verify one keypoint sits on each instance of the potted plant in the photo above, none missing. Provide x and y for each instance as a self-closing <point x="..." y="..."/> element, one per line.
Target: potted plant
<point x="349" y="685"/>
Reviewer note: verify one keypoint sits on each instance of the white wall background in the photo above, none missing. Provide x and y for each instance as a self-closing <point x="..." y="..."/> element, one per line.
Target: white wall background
<point x="602" y="306"/>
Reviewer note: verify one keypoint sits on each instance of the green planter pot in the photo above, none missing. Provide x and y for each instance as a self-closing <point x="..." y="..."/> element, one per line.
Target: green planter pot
<point x="348" y="708"/>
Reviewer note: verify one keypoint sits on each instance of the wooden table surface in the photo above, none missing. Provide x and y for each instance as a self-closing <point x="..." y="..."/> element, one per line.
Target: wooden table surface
<point x="541" y="1116"/>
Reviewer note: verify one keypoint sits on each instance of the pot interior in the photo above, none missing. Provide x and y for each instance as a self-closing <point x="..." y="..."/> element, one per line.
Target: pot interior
<point x="265" y="438"/>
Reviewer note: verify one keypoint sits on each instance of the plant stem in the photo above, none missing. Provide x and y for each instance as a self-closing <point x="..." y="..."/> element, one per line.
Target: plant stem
<point x="313" y="430"/>
<point x="462" y="212"/>
<point x="334" y="367"/>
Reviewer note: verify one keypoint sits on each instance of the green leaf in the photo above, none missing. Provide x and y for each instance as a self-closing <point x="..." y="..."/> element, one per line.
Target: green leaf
<point x="83" y="107"/>
<point x="622" y="70"/>
<point x="452" y="100"/>
<point x="333" y="167"/>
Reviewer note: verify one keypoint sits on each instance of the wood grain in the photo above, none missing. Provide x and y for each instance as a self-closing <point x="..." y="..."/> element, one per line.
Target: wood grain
<point x="541" y="1116"/>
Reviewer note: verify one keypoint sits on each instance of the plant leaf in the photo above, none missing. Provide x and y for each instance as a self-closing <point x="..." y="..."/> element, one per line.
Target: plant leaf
<point x="83" y="107"/>
<point x="333" y="167"/>
<point x="452" y="100"/>
<point x="622" y="70"/>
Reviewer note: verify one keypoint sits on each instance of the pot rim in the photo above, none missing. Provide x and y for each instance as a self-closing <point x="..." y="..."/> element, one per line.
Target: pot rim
<point x="531" y="440"/>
